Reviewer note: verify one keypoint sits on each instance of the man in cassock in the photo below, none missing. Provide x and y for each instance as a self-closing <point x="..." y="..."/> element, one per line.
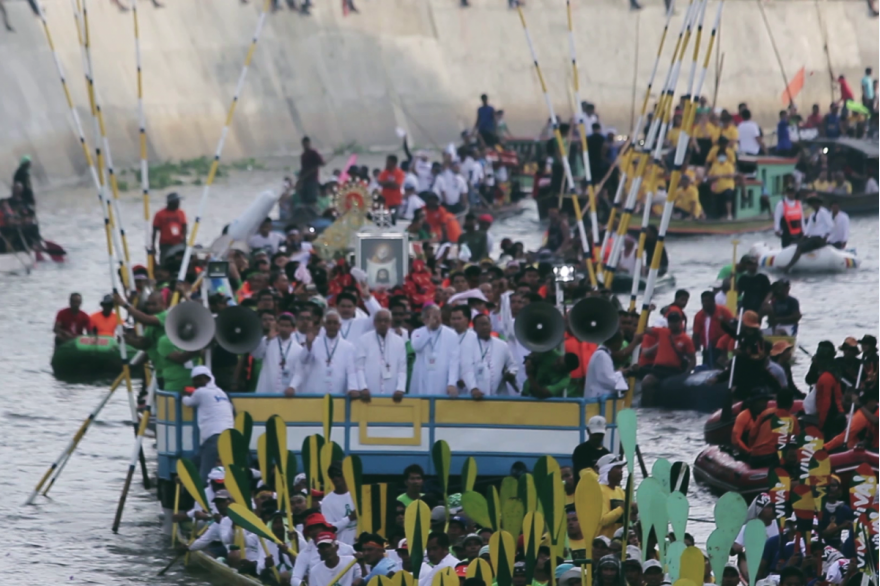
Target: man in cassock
<point x="380" y="361"/>
<point x="460" y="319"/>
<point x="281" y="370"/>
<point x="494" y="362"/>
<point x="517" y="350"/>
<point x="437" y="357"/>
<point x="354" y="327"/>
<point x="328" y="360"/>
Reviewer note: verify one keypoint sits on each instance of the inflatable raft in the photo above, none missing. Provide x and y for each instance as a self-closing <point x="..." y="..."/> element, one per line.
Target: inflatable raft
<point x="717" y="432"/>
<point x="720" y="470"/>
<point x="694" y="391"/>
<point x="825" y="260"/>
<point x="92" y="356"/>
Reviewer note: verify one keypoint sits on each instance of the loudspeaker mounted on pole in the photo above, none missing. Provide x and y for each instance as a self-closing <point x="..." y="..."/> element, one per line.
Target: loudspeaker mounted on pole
<point x="189" y="326"/>
<point x="540" y="327"/>
<point x="239" y="330"/>
<point x="593" y="319"/>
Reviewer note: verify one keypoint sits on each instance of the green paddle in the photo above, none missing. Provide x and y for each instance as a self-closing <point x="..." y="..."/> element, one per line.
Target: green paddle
<point x="311" y="455"/>
<point x="677" y="509"/>
<point x="250" y="522"/>
<point x="755" y="537"/>
<point x="551" y="494"/>
<point x="644" y="495"/>
<point x="587" y="497"/>
<point x="657" y="502"/>
<point x="730" y="514"/>
<point x="718" y="547"/>
<point x="527" y="494"/>
<point x="402" y="578"/>
<point x="662" y="470"/>
<point x="468" y="474"/>
<point x="673" y="559"/>
<point x="417" y="525"/>
<point x="445" y="577"/>
<point x="328" y="417"/>
<point x="192" y="482"/>
<point x="509" y="488"/>
<point x="232" y="448"/>
<point x="502" y="549"/>
<point x="494" y="508"/>
<point x="352" y="471"/>
<point x="263" y="458"/>
<point x="626" y="427"/>
<point x="237" y="482"/>
<point x="441" y="456"/>
<point x="476" y="508"/>
<point x="276" y="442"/>
<point x="379" y="580"/>
<point x="512" y="513"/>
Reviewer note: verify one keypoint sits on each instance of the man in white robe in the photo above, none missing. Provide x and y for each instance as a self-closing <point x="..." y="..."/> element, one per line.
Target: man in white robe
<point x="437" y="357"/>
<point x="282" y="370"/>
<point x="517" y="350"/>
<point x="460" y="319"/>
<point x="353" y="327"/>
<point x="493" y="361"/>
<point x="328" y="361"/>
<point x="380" y="361"/>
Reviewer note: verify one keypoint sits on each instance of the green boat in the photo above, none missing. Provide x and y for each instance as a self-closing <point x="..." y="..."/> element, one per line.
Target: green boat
<point x="89" y="356"/>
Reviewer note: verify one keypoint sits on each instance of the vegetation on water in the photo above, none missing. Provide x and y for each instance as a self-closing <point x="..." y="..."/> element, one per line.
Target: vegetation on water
<point x="186" y="172"/>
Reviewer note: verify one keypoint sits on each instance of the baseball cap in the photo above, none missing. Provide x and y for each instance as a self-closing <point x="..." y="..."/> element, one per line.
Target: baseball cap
<point x="459" y="519"/>
<point x="438" y="514"/>
<point x="485" y="218"/>
<point x="574" y="574"/>
<point x="316" y="519"/>
<point x="596" y="424"/>
<point x="222" y="495"/>
<point x="461" y="570"/>
<point x="519" y="569"/>
<point x="325" y="537"/>
<point x="633" y="553"/>
<point x="402" y="544"/>
<point x="217" y="474"/>
<point x="484" y="550"/>
<point x="108" y="300"/>
<point x="648" y="564"/>
<point x="472" y="537"/>
<point x="173" y="196"/>
<point x="850" y="343"/>
<point x="609" y="459"/>
<point x="868" y="339"/>
<point x="605" y="541"/>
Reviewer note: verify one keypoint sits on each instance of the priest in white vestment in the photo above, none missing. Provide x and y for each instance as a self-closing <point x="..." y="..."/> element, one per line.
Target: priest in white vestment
<point x="380" y="360"/>
<point x="353" y="327"/>
<point x="281" y="370"/>
<point x="460" y="319"/>
<point x="493" y="360"/>
<point x="328" y="360"/>
<point x="437" y="357"/>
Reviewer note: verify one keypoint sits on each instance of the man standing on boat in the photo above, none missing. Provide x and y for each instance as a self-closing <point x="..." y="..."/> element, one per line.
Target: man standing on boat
<point x="280" y="370"/>
<point x="353" y="327"/>
<point x="70" y="322"/>
<point x="328" y="361"/>
<point x="817" y="230"/>
<point x="437" y="357"/>
<point x="169" y="225"/>
<point x="381" y="360"/>
<point x="788" y="218"/>
<point x="840" y="233"/>
<point x="214" y="411"/>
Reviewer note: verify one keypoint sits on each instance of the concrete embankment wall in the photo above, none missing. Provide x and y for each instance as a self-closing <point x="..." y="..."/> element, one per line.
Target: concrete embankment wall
<point x="417" y="64"/>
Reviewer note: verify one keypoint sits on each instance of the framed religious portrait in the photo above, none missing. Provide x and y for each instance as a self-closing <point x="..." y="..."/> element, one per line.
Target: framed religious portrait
<point x="383" y="256"/>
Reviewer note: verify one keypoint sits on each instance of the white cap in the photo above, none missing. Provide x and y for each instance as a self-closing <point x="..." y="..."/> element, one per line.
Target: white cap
<point x="596" y="424"/>
<point x="200" y="371"/>
<point x="608" y="459"/>
<point x="218" y="473"/>
<point x="648" y="564"/>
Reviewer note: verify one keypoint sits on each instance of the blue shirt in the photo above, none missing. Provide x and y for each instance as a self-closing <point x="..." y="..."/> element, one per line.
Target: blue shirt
<point x="841" y="515"/>
<point x="868" y="87"/>
<point x="832" y="125"/>
<point x="383" y="568"/>
<point x="486" y="118"/>
<point x="783" y="138"/>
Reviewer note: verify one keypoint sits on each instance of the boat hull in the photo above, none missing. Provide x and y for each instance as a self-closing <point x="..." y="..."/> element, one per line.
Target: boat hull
<point x="721" y="471"/>
<point x="824" y="260"/>
<point x="16" y="263"/>
<point x="623" y="283"/>
<point x="690" y="392"/>
<point x="712" y="227"/>
<point x="88" y="356"/>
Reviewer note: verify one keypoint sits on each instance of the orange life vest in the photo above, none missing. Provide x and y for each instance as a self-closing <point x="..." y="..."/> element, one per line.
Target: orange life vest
<point x="794" y="217"/>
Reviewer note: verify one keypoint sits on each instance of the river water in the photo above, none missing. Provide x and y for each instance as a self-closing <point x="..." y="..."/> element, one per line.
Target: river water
<point x="67" y="539"/>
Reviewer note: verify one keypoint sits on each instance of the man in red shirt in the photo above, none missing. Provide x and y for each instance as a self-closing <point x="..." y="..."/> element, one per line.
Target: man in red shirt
<point x="707" y="327"/>
<point x="845" y="91"/>
<point x="391" y="179"/>
<point x="169" y="225"/>
<point x="70" y="322"/>
<point x="673" y="353"/>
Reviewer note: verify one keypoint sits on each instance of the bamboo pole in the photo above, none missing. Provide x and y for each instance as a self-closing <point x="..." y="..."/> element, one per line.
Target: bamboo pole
<point x="212" y="173"/>
<point x="655" y="133"/>
<point x="560" y="144"/>
<point x="627" y="155"/>
<point x="588" y="174"/>
<point x="142" y="139"/>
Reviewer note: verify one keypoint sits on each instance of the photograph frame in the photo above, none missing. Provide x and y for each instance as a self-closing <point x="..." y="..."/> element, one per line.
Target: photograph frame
<point x="368" y="244"/>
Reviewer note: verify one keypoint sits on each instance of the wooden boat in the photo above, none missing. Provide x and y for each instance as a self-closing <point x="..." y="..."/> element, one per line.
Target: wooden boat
<point x="712" y="227"/>
<point x="718" y="468"/>
<point x="221" y="572"/>
<point x="854" y="204"/>
<point x="858" y="158"/>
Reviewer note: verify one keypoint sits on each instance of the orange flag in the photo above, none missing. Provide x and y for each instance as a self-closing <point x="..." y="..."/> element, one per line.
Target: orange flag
<point x="794" y="87"/>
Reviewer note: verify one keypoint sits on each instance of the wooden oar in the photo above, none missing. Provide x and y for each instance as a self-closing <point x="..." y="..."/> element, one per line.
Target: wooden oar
<point x="673" y="558"/>
<point x="680" y="477"/>
<point x="176" y="509"/>
<point x="718" y="548"/>
<point x="233" y="448"/>
<point x="502" y="552"/>
<point x="441" y="456"/>
<point x="417" y="526"/>
<point x="730" y="512"/>
<point x="587" y="497"/>
<point x="311" y="455"/>
<point x="468" y="474"/>
<point x="693" y="565"/>
<point x="276" y="447"/>
<point x="379" y="581"/>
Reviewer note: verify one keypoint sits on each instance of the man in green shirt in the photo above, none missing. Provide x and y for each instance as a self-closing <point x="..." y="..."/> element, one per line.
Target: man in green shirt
<point x="413" y="478"/>
<point x="175" y="365"/>
<point x="548" y="373"/>
<point x="153" y="320"/>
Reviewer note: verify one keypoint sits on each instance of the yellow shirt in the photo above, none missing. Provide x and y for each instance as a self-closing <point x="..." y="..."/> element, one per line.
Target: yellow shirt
<point x="725" y="168"/>
<point x="713" y="154"/>
<point x="820" y="185"/>
<point x="611" y="519"/>
<point x="847" y="187"/>
<point x="731" y="133"/>
<point x="672" y="136"/>
<point x="688" y="200"/>
<point x="708" y="130"/>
